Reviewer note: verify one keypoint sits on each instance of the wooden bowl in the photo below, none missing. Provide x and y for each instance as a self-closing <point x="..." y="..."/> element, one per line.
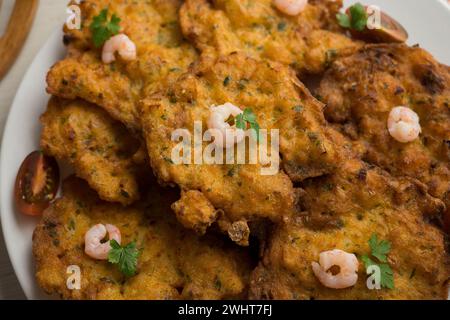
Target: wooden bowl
<point x="16" y="33"/>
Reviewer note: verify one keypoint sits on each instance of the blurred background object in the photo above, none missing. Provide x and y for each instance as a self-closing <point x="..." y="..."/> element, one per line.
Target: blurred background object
<point x="17" y="29"/>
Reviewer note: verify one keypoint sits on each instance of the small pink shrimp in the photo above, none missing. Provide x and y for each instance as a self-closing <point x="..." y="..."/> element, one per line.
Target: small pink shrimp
<point x="403" y="124"/>
<point x="229" y="135"/>
<point x="119" y="43"/>
<point x="291" y="7"/>
<point x="348" y="268"/>
<point x="92" y="240"/>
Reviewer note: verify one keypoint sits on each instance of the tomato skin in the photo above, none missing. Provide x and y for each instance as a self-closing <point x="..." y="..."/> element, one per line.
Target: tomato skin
<point x="37" y="183"/>
<point x="391" y="30"/>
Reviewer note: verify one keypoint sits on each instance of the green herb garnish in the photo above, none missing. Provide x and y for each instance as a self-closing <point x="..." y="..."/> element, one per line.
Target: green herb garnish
<point x="125" y="257"/>
<point x="227" y="81"/>
<point x="298" y="108"/>
<point x="379" y="251"/>
<point x="218" y="284"/>
<point x="102" y="29"/>
<point x="124" y="194"/>
<point x="248" y="117"/>
<point x="281" y="26"/>
<point x="356" y="20"/>
<point x="71" y="225"/>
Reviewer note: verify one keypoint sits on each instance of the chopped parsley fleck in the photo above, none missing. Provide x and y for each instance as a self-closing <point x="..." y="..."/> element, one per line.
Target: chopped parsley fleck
<point x="125" y="194"/>
<point x="231" y="172"/>
<point x="298" y="108"/>
<point x="172" y="98"/>
<point x="281" y="26"/>
<point x="168" y="160"/>
<point x="227" y="81"/>
<point x="242" y="84"/>
<point x="330" y="56"/>
<point x="71" y="225"/>
<point x="218" y="284"/>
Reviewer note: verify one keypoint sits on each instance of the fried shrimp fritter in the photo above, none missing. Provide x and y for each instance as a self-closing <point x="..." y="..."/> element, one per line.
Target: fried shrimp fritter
<point x="194" y="211"/>
<point x="308" y="41"/>
<point x="361" y="90"/>
<point x="239" y="191"/>
<point x="101" y="150"/>
<point x="162" y="55"/>
<point x="342" y="211"/>
<point x="173" y="264"/>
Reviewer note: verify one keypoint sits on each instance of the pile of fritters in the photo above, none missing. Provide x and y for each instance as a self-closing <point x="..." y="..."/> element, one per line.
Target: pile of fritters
<point x="227" y="231"/>
<point x="174" y="263"/>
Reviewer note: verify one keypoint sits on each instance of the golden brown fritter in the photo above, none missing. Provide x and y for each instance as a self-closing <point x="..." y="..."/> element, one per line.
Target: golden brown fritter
<point x="162" y="54"/>
<point x="194" y="211"/>
<point x="308" y="42"/>
<point x="174" y="263"/>
<point x="360" y="91"/>
<point x="278" y="100"/>
<point x="342" y="211"/>
<point x="100" y="149"/>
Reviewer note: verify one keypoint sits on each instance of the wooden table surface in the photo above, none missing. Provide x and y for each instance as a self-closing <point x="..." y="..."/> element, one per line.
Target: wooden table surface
<point x="51" y="15"/>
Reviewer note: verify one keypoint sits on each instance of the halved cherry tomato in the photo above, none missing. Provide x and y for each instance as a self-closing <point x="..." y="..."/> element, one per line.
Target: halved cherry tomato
<point x="390" y="30"/>
<point x="37" y="183"/>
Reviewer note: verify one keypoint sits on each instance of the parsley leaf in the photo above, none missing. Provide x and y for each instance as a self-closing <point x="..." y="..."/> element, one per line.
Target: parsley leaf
<point x="240" y="122"/>
<point x="125" y="257"/>
<point x="356" y="20"/>
<point x="102" y="29"/>
<point x="379" y="250"/>
<point x="367" y="261"/>
<point x="358" y="17"/>
<point x="248" y="117"/>
<point x="387" y="276"/>
<point x="344" y="20"/>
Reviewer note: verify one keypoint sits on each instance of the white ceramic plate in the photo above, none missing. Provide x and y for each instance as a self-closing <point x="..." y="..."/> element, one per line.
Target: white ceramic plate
<point x="427" y="21"/>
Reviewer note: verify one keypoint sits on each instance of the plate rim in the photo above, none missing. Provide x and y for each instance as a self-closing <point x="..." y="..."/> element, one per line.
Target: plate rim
<point x="55" y="36"/>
